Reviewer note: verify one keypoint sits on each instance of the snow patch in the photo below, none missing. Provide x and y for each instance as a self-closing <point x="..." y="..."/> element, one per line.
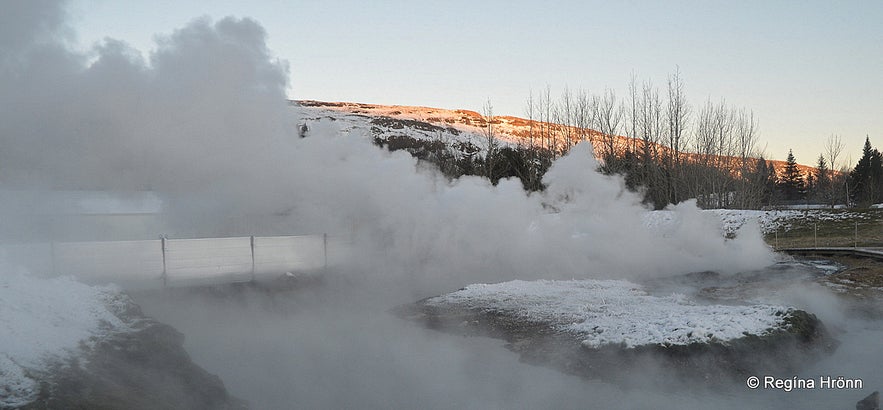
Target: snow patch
<point x="42" y="320"/>
<point x="616" y="312"/>
<point x="732" y="220"/>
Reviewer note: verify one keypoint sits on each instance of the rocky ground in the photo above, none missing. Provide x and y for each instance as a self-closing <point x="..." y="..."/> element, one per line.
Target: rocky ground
<point x="800" y="338"/>
<point x="862" y="275"/>
<point x="143" y="367"/>
<point x="859" y="283"/>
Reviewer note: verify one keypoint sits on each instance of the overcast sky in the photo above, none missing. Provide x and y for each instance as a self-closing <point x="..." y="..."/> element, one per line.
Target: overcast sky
<point x="807" y="69"/>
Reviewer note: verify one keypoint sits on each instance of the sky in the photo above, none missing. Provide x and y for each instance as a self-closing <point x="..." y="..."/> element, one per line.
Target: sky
<point x="807" y="69"/>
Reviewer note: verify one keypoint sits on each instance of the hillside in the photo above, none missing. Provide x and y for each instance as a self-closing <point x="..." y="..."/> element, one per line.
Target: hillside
<point x="465" y="127"/>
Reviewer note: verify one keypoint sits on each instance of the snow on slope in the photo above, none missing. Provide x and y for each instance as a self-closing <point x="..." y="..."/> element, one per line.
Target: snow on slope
<point x="42" y="320"/>
<point x="420" y="123"/>
<point x="467" y="126"/>
<point x="459" y="128"/>
<point x="616" y="312"/>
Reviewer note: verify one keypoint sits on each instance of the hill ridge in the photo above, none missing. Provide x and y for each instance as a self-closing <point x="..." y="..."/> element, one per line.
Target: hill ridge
<point x="509" y="129"/>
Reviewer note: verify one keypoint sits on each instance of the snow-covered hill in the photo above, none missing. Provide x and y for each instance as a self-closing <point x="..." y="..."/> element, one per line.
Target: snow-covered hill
<point x="460" y="127"/>
<point x="464" y="130"/>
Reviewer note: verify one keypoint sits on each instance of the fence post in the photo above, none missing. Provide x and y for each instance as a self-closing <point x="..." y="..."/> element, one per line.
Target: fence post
<point x="162" y="239"/>
<point x="855" y="243"/>
<point x="815" y="236"/>
<point x="52" y="258"/>
<point x="777" y="238"/>
<point x="252" y="259"/>
<point x="325" y="252"/>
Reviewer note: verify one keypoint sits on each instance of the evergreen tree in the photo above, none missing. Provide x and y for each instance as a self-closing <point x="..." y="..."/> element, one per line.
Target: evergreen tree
<point x="810" y="187"/>
<point x="791" y="183"/>
<point x="823" y="181"/>
<point x="771" y="194"/>
<point x="867" y="176"/>
<point x="760" y="184"/>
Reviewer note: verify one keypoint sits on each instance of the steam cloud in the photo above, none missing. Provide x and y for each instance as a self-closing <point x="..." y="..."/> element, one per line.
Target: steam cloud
<point x="203" y="121"/>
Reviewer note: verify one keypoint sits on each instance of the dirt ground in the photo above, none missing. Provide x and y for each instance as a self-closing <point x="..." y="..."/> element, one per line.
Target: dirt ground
<point x="862" y="276"/>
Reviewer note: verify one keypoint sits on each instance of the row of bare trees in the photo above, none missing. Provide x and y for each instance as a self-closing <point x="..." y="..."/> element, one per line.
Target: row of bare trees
<point x="664" y="146"/>
<point x="673" y="150"/>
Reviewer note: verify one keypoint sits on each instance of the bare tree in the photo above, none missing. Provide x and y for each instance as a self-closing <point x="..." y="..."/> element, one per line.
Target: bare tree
<point x="530" y="110"/>
<point x="609" y="114"/>
<point x="651" y="126"/>
<point x="531" y="174"/>
<point x="677" y="116"/>
<point x="634" y="117"/>
<point x="547" y="107"/>
<point x="723" y="139"/>
<point x="584" y="118"/>
<point x="746" y="140"/>
<point x="566" y="108"/>
<point x="833" y="149"/>
<point x="491" y="141"/>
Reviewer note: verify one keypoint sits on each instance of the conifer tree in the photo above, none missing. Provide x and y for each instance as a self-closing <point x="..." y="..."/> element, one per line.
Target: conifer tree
<point x="823" y="181"/>
<point x="791" y="183"/>
<point x="867" y="176"/>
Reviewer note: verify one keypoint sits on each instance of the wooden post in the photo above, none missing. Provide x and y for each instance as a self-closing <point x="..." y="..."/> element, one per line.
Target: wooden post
<point x="815" y="236"/>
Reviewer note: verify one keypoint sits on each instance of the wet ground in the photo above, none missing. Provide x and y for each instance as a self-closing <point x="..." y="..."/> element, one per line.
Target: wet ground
<point x="332" y="345"/>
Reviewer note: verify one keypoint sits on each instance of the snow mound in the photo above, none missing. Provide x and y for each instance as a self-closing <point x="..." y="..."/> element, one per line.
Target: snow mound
<point x="616" y="312"/>
<point x="42" y="320"/>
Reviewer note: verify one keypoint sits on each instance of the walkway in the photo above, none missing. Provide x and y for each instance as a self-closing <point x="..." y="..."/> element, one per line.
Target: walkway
<point x="875" y="253"/>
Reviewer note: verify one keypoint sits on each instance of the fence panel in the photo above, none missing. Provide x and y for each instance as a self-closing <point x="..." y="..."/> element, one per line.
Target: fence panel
<point x="36" y="258"/>
<point x="153" y="264"/>
<point x="279" y="254"/>
<point x="208" y="261"/>
<point x="131" y="264"/>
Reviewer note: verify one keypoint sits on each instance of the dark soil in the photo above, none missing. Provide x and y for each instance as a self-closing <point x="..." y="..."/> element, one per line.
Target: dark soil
<point x="144" y="368"/>
<point x="860" y="273"/>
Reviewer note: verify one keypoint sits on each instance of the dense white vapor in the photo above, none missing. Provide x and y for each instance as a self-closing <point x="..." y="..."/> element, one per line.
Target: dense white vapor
<point x="203" y="122"/>
<point x="209" y="100"/>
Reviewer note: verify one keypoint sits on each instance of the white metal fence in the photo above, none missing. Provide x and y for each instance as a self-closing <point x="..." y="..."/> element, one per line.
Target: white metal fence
<point x="174" y="262"/>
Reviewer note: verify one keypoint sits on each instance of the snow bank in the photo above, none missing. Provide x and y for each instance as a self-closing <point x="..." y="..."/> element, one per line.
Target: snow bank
<point x="616" y="312"/>
<point x="45" y="319"/>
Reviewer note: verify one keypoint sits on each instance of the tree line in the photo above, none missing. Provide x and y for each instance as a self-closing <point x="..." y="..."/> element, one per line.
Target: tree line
<point x="672" y="150"/>
<point x="860" y="186"/>
<point x="676" y="151"/>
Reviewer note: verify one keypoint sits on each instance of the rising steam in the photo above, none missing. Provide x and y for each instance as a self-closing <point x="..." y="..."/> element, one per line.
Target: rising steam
<point x="203" y="121"/>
